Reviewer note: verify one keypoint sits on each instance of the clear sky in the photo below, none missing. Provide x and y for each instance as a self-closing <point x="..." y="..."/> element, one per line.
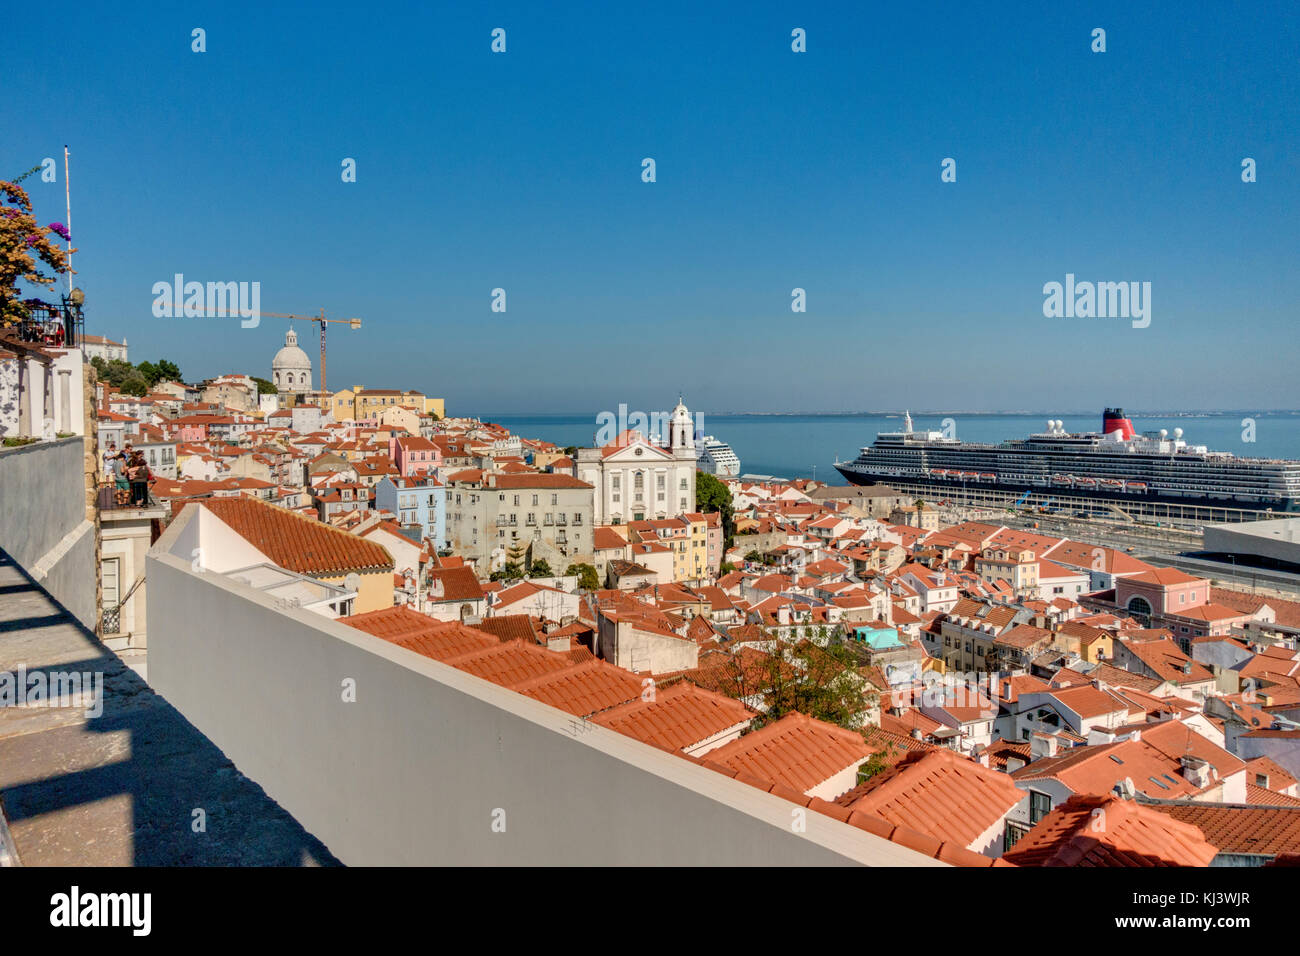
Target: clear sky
<point x="775" y="170"/>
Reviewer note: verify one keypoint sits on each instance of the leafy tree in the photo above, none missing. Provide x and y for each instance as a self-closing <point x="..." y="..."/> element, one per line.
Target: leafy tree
<point x="726" y="567"/>
<point x="25" y="247"/>
<point x="754" y="556"/>
<point x="588" y="579"/>
<point x="822" y="682"/>
<point x="134" y="384"/>
<point x="825" y="684"/>
<point x="265" y="387"/>
<point x="168" y="371"/>
<point x="114" y="371"/>
<point x="511" y="571"/>
<point x="712" y="495"/>
<point x="878" y="761"/>
<point x="150" y="372"/>
<point x="571" y="451"/>
<point x="541" y="568"/>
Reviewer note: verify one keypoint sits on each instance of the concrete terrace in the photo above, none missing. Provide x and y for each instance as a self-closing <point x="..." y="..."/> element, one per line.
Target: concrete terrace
<point x="120" y="789"/>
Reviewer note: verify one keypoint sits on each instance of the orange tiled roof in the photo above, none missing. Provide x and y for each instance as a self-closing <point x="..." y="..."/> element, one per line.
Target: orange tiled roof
<point x="797" y="751"/>
<point x="458" y="584"/>
<point x="940" y="793"/>
<point x="583" y="689"/>
<point x="678" y="717"/>
<point x="510" y="664"/>
<point x="1260" y="831"/>
<point x="1107" y="831"/>
<point x="438" y="640"/>
<point x="298" y="543"/>
<point x="509" y="627"/>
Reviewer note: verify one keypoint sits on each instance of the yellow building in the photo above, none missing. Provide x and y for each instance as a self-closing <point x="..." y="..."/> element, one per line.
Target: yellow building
<point x="359" y="402"/>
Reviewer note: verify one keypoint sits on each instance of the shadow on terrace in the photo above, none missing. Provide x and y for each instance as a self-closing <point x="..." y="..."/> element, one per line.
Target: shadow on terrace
<point x="122" y="788"/>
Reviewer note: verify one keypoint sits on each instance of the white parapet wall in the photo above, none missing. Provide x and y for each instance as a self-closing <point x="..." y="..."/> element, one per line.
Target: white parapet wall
<point x="391" y="758"/>
<point x="43" y="524"/>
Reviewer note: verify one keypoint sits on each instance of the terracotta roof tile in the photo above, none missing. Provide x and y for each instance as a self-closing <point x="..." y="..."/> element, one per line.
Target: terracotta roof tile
<point x="295" y="542"/>
<point x="404" y="627"/>
<point x="939" y="793"/>
<point x="796" y="750"/>
<point x="1107" y="831"/>
<point x="678" y="717"/>
<point x="584" y="689"/>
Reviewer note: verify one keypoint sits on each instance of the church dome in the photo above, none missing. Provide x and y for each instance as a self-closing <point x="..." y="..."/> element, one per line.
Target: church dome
<point x="291" y="368"/>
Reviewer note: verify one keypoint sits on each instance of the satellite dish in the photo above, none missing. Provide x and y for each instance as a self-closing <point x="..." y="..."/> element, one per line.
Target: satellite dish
<point x="1126" y="788"/>
<point x="352" y="582"/>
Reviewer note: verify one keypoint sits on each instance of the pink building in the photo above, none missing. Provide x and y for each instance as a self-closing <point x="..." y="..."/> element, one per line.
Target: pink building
<point x="1168" y="598"/>
<point x="413" y="455"/>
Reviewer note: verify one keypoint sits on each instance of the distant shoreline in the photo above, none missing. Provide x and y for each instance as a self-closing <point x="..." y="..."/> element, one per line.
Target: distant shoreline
<point x="925" y="413"/>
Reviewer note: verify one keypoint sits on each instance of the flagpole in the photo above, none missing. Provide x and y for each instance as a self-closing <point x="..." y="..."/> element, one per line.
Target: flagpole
<point x="67" y="186"/>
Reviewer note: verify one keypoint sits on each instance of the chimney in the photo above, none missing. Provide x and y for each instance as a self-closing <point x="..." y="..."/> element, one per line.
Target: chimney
<point x="1042" y="745"/>
<point x="916" y="733"/>
<point x="1196" y="771"/>
<point x="491" y="479"/>
<point x="1006" y="689"/>
<point x="982" y="757"/>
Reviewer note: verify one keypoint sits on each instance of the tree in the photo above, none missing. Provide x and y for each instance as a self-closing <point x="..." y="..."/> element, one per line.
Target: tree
<point x="541" y="568"/>
<point x="511" y="571"/>
<point x="25" y="246"/>
<point x="150" y="372"/>
<point x="114" y="371"/>
<point x="134" y="384"/>
<point x="588" y="579"/>
<point x="265" y="387"/>
<point x="754" y="556"/>
<point x="712" y="495"/>
<point x="168" y="371"/>
<point x="726" y="567"/>
<point x="822" y="682"/>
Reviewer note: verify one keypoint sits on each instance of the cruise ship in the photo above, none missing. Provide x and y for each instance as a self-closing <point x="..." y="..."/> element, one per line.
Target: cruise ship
<point x="716" y="457"/>
<point x="1115" y="466"/>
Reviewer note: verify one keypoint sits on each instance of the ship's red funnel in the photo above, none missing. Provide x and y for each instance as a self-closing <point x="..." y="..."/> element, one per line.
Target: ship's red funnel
<point x="1114" y="421"/>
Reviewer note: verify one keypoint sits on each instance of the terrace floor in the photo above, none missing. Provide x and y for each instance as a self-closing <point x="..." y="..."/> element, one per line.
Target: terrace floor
<point x="121" y="788"/>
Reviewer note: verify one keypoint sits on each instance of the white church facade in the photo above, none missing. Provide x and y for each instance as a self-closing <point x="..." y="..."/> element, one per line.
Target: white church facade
<point x="640" y="478"/>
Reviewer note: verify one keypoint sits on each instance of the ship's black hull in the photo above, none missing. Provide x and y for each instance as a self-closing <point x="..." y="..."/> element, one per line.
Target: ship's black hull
<point x="1106" y="496"/>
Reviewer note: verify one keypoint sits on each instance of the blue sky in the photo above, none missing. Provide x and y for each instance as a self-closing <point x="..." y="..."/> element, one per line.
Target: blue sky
<point x="775" y="170"/>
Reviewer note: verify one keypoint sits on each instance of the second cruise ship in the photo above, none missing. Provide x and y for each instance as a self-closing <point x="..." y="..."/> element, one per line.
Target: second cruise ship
<point x="1114" y="466"/>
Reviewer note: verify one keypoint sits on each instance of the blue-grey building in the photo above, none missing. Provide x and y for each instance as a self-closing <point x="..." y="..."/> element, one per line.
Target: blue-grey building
<point x="417" y="500"/>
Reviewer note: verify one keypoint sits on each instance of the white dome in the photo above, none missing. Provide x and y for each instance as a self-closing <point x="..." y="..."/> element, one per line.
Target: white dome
<point x="291" y="368"/>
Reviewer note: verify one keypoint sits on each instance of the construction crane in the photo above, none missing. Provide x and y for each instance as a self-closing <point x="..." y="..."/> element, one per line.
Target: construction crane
<point x="354" y="323"/>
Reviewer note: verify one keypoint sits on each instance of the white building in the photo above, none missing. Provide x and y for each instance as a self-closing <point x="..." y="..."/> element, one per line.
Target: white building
<point x="107" y="349"/>
<point x="41" y="391"/>
<point x="291" y="368"/>
<point x="636" y="479"/>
